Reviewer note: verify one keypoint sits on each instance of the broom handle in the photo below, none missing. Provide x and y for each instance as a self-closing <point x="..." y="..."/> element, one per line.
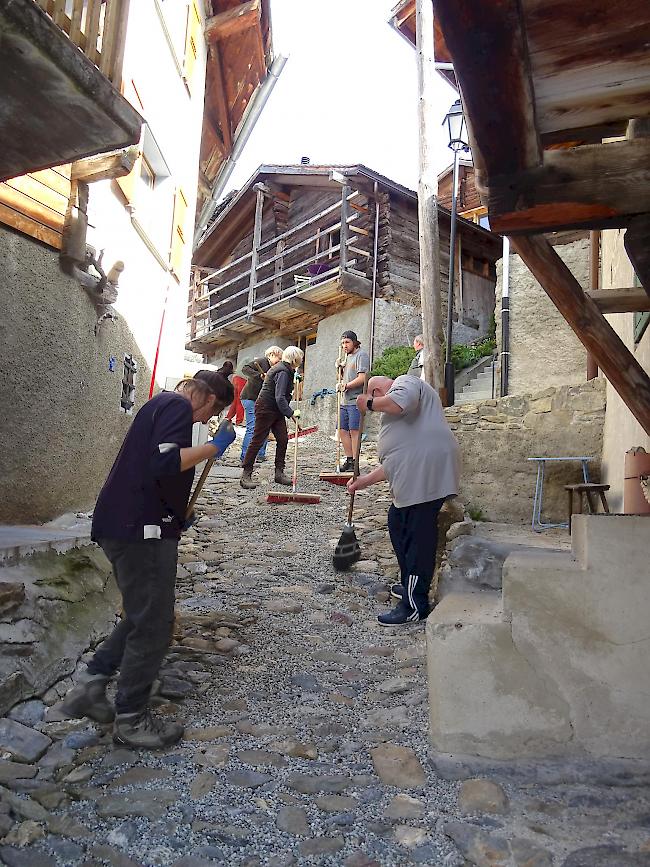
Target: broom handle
<point x="295" y="461"/>
<point x="355" y="472"/>
<point x="199" y="486"/>
<point x="339" y="380"/>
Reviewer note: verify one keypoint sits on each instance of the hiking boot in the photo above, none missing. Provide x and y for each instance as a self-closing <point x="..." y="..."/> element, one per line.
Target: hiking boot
<point x="397" y="591"/>
<point x="401" y="614"/>
<point x="89" y="699"/>
<point x="281" y="479"/>
<point x="246" y="481"/>
<point x="142" y="731"/>
<point x="347" y="466"/>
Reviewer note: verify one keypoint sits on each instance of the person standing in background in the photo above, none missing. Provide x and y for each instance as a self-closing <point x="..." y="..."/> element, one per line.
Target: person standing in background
<point x="356" y="367"/>
<point x="236" y="410"/>
<point x="417" y="365"/>
<point x="255" y="372"/>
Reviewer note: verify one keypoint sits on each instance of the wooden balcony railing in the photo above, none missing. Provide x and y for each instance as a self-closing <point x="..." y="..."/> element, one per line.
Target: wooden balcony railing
<point x="97" y="27"/>
<point x="318" y="249"/>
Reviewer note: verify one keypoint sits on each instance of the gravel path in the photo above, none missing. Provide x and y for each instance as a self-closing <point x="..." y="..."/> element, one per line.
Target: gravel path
<point x="306" y="725"/>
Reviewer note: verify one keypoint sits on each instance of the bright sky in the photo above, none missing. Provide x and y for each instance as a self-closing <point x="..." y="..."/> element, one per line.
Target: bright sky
<point x="348" y="93"/>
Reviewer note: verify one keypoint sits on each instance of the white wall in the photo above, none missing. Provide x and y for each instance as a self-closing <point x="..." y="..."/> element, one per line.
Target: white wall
<point x="153" y="83"/>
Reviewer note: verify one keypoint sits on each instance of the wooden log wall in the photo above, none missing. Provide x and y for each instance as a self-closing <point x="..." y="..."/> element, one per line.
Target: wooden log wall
<point x="35" y="204"/>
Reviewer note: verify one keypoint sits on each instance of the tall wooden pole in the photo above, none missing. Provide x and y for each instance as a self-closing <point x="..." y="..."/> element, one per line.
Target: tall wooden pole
<point x="430" y="288"/>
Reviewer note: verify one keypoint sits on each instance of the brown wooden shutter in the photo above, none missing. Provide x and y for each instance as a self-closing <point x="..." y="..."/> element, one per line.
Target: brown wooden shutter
<point x="178" y="233"/>
<point x="192" y="42"/>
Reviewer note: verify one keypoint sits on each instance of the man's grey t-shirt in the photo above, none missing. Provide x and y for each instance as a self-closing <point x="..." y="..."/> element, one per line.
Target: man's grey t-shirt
<point x="417" y="449"/>
<point x="358" y="362"/>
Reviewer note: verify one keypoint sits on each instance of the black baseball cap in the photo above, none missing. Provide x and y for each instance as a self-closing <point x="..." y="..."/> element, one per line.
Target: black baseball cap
<point x="350" y="336"/>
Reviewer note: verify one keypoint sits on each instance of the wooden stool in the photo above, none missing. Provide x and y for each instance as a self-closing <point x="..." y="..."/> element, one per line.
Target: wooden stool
<point x="586" y="488"/>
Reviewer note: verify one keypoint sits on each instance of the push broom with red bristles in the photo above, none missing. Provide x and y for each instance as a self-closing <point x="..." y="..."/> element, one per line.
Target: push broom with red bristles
<point x="293" y="496"/>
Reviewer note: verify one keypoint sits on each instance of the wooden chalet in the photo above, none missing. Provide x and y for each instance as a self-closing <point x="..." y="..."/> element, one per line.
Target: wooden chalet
<point x="556" y="94"/>
<point x="61" y="71"/>
<point x="298" y="244"/>
<point x="238" y="35"/>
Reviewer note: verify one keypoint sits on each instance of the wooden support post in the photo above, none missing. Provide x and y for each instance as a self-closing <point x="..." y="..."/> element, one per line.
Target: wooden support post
<point x="427" y="200"/>
<point x="345" y="211"/>
<point x="257" y="240"/>
<point x="594" y="281"/>
<point x="637" y="247"/>
<point x="612" y="356"/>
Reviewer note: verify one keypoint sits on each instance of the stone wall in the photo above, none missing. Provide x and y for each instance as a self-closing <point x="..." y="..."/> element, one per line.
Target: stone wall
<point x="395" y="324"/>
<point x="497" y="436"/>
<point x="544" y="351"/>
<point x="52" y="607"/>
<point x="62" y="424"/>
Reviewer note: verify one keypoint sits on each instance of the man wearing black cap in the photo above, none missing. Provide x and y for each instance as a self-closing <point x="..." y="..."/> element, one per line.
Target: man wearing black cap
<point x="355" y="371"/>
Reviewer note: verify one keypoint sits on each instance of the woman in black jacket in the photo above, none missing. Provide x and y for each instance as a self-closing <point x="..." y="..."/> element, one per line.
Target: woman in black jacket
<point x="271" y="410"/>
<point x="255" y="372"/>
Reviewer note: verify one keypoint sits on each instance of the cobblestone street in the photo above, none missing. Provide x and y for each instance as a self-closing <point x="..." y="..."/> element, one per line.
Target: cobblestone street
<point x="306" y="725"/>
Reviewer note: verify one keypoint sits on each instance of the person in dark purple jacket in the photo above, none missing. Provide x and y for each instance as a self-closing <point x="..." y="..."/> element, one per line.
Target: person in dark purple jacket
<point x="138" y="520"/>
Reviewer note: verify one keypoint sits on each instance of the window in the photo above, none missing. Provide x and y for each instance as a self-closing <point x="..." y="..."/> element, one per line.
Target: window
<point x="193" y="36"/>
<point x="149" y="196"/>
<point x="127" y="400"/>
<point x="147" y="175"/>
<point x="177" y="249"/>
<point x="173" y="17"/>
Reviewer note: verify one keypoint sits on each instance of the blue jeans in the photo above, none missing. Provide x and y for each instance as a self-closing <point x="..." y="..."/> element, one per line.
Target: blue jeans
<point x="249" y="409"/>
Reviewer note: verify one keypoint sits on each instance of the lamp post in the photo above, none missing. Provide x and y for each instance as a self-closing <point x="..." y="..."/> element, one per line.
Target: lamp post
<point x="457" y="131"/>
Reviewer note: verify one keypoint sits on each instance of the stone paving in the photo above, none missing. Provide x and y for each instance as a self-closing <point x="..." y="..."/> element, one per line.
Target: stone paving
<point x="306" y="738"/>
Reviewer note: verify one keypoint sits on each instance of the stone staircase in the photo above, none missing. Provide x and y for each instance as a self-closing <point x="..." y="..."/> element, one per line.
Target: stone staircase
<point x="479" y="386"/>
<point x="554" y="665"/>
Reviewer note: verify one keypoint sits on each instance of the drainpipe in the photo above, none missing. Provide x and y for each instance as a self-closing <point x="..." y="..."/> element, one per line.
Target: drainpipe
<point x="505" y="318"/>
<point x="594" y="274"/>
<point x="374" y="277"/>
<point x="249" y="120"/>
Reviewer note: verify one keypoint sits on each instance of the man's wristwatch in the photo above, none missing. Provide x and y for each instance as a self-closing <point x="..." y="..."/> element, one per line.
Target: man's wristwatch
<point x="369" y="404"/>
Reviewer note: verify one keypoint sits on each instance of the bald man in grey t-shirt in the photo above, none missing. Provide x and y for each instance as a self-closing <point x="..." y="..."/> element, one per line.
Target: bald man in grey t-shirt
<point x="420" y="459"/>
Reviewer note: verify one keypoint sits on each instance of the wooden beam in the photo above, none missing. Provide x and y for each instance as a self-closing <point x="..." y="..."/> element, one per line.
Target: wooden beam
<point x="355" y="285"/>
<point x="488" y="47"/>
<point x="235" y="336"/>
<point x="620" y="300"/>
<point x="116" y="164"/>
<point x="220" y="95"/>
<point x="306" y="306"/>
<point x="589" y="186"/>
<point x="637" y="247"/>
<point x="592" y="329"/>
<point x="428" y="226"/>
<point x="261" y="321"/>
<point x="233" y="21"/>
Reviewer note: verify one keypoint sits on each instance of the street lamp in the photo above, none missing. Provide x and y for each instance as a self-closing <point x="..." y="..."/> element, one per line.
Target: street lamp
<point x="457" y="132"/>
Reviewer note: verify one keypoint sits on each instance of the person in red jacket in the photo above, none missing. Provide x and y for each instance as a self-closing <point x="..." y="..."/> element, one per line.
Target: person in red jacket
<point x="236" y="409"/>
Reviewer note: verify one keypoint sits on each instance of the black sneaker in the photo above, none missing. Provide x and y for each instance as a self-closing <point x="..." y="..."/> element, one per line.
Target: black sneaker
<point x="347" y="466"/>
<point x="400" y="615"/>
<point x="397" y="591"/>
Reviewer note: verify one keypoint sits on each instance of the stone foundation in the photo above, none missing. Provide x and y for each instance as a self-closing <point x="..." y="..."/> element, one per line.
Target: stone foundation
<point x="556" y="664"/>
<point x="497" y="436"/>
<point x="52" y="608"/>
